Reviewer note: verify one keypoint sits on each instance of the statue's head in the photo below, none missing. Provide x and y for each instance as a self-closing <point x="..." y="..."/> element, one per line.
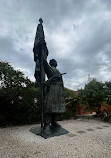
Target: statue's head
<point x="53" y="62"/>
<point x="40" y="20"/>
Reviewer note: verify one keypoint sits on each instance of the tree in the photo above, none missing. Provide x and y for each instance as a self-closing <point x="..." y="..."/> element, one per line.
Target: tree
<point x="17" y="95"/>
<point x="11" y="78"/>
<point x="69" y="93"/>
<point x="93" y="94"/>
<point x="108" y="91"/>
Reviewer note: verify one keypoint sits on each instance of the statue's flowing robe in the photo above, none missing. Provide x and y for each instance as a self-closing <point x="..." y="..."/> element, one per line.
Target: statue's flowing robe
<point x="54" y="96"/>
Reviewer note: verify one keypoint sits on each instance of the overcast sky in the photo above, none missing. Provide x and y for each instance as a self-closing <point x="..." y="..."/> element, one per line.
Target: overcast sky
<point x="77" y="32"/>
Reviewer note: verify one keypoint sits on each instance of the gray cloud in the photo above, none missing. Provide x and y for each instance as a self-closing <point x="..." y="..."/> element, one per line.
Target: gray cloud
<point x="77" y="32"/>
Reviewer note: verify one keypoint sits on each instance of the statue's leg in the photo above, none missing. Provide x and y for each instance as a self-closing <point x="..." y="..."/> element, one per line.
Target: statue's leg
<point x="53" y="120"/>
<point x="47" y="121"/>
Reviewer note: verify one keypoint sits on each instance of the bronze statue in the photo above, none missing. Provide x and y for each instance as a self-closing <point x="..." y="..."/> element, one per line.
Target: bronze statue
<point x="54" y="95"/>
<point x="52" y="90"/>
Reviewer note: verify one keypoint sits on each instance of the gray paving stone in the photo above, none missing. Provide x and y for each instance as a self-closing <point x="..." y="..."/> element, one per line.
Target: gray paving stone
<point x="71" y="135"/>
<point x="81" y="132"/>
<point x="106" y="126"/>
<point x="90" y="129"/>
<point x="99" y="127"/>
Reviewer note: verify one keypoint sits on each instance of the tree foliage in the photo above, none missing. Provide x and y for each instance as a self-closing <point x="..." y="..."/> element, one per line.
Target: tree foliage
<point x="17" y="95"/>
<point x="69" y="93"/>
<point x="105" y="111"/>
<point x="93" y="94"/>
<point x="11" y="78"/>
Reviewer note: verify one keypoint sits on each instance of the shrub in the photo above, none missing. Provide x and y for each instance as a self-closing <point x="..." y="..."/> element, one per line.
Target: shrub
<point x="105" y="111"/>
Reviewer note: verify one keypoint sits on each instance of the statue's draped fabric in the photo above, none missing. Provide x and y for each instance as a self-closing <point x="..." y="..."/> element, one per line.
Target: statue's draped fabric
<point x="54" y="91"/>
<point x="39" y="48"/>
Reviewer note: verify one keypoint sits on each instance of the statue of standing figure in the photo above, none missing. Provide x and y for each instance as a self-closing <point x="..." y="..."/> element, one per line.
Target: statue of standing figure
<point x="54" y="95"/>
<point x="52" y="90"/>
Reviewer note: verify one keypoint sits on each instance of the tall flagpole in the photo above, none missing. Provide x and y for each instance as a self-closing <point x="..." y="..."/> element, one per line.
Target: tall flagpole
<point x="42" y="88"/>
<point x="40" y="53"/>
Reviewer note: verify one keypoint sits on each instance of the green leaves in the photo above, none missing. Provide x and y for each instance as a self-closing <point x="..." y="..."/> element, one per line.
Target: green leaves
<point x="17" y="95"/>
<point x="69" y="93"/>
<point x="10" y="77"/>
<point x="93" y="94"/>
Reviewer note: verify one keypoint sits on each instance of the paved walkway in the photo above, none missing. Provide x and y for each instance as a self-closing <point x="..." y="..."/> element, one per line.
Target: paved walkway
<point x="87" y="139"/>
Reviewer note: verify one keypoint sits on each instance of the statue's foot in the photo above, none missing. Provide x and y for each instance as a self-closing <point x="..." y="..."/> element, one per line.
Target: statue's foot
<point x="55" y="124"/>
<point x="47" y="130"/>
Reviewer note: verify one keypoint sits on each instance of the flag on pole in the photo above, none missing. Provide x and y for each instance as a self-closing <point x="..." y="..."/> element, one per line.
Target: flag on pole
<point x="40" y="48"/>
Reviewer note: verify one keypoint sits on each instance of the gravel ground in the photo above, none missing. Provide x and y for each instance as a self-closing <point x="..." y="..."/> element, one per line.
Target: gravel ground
<point x="86" y="139"/>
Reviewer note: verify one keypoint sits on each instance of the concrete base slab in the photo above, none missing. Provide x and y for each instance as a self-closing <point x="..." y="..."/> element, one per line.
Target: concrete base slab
<point x="55" y="131"/>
